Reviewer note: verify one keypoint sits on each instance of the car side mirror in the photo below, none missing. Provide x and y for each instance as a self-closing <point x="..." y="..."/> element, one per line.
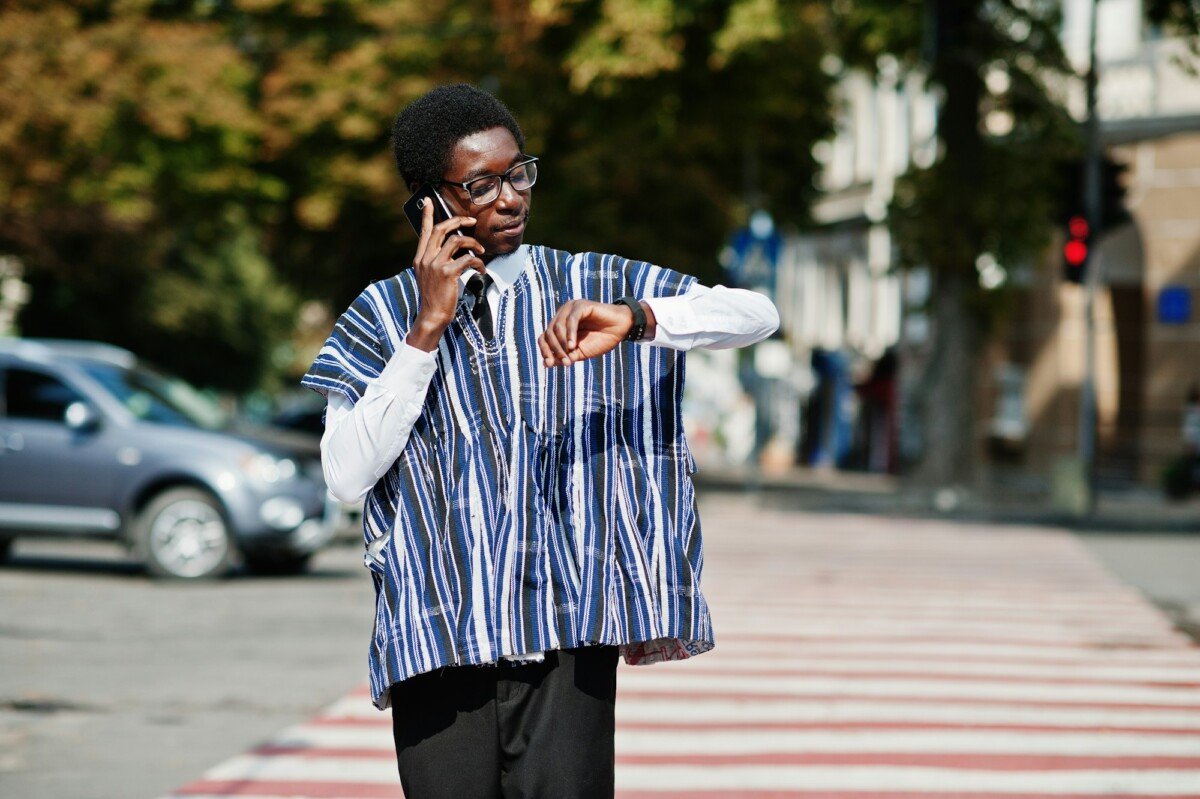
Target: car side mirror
<point x="81" y="417"/>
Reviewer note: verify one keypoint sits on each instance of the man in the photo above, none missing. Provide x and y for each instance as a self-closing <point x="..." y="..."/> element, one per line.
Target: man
<point x="529" y="508"/>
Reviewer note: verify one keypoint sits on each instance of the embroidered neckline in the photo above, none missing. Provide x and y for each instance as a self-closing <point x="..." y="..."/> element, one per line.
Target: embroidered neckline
<point x="463" y="318"/>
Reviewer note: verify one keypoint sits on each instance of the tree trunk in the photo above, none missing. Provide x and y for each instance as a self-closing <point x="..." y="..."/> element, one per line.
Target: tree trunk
<point x="949" y="382"/>
<point x="948" y="412"/>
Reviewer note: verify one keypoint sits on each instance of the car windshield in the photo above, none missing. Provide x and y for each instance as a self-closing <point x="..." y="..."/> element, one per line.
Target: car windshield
<point x="155" y="397"/>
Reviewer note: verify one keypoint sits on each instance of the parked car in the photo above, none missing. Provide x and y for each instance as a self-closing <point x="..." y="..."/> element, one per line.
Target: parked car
<point x="307" y="416"/>
<point x="95" y="443"/>
<point x="303" y="417"/>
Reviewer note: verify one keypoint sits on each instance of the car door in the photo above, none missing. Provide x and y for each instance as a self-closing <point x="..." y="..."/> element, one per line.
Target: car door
<point x="53" y="476"/>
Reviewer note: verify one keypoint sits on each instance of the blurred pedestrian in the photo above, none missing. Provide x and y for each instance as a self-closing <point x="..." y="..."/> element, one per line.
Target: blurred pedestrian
<point x="511" y="413"/>
<point x="1191" y="422"/>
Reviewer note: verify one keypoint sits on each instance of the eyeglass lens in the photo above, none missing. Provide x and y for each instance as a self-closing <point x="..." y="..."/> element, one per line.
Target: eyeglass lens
<point x="487" y="189"/>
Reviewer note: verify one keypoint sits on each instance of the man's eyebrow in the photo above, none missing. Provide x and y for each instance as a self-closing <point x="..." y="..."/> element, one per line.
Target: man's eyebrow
<point x="481" y="172"/>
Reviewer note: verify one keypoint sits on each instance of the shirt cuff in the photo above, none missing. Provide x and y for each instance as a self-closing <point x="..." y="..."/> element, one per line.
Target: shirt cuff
<point x="409" y="367"/>
<point x="675" y="322"/>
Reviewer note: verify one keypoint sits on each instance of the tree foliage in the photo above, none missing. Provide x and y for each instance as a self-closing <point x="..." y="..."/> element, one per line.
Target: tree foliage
<point x="127" y="162"/>
<point x="179" y="174"/>
<point x="1005" y="134"/>
<point x="1175" y="17"/>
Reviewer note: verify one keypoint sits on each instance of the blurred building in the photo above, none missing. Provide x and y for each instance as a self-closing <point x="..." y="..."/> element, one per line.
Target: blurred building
<point x="839" y="294"/>
<point x="847" y="312"/>
<point x="1148" y="335"/>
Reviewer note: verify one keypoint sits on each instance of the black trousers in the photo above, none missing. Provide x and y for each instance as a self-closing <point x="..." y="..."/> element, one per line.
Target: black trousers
<point x="530" y="731"/>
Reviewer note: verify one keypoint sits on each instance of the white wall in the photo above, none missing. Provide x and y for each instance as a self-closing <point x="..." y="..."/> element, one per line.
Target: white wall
<point x="1118" y="30"/>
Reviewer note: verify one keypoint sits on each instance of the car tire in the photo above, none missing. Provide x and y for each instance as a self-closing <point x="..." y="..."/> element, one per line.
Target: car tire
<point x="276" y="564"/>
<point x="182" y="534"/>
<point x="6" y="546"/>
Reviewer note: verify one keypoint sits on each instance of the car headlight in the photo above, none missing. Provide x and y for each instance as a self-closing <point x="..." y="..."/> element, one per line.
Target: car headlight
<point x="282" y="513"/>
<point x="269" y="469"/>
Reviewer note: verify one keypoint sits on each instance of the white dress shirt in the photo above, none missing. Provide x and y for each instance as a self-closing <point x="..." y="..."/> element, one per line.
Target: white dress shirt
<point x="363" y="440"/>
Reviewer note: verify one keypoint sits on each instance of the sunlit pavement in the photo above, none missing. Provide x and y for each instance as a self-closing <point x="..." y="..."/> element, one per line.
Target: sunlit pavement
<point x="860" y="657"/>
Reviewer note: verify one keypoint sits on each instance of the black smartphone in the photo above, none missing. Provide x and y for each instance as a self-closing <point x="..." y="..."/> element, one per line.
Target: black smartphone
<point x="415" y="206"/>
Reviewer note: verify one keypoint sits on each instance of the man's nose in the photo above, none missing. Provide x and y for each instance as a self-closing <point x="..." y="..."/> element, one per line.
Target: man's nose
<point x="509" y="197"/>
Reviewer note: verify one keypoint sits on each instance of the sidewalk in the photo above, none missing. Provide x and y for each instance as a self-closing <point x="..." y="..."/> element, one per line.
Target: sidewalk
<point x="1132" y="509"/>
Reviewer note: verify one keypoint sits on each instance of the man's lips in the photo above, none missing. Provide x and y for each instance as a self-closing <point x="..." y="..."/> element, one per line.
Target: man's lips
<point x="513" y="227"/>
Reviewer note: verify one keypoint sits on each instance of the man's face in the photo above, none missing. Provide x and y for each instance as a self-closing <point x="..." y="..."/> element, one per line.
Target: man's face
<point x="500" y="226"/>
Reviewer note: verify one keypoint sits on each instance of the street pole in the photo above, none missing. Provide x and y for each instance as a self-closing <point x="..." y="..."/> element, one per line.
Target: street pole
<point x="1092" y="210"/>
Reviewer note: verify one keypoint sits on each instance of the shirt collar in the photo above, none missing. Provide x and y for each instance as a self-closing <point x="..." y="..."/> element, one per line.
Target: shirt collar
<point x="504" y="269"/>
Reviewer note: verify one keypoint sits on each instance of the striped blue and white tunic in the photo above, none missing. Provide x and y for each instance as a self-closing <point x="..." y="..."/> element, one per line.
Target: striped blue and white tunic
<point x="532" y="508"/>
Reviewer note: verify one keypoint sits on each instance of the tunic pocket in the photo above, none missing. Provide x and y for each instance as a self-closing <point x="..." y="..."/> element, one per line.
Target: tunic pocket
<point x="545" y="458"/>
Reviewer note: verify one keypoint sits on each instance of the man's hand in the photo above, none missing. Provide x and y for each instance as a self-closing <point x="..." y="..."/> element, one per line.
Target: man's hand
<point x="583" y="329"/>
<point x="437" y="275"/>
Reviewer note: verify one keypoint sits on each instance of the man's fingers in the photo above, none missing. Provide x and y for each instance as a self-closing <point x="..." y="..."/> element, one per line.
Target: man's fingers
<point x="571" y="331"/>
<point x="466" y="243"/>
<point x="426" y="228"/>
<point x="455" y="243"/>
<point x="448" y="226"/>
<point x="555" y="331"/>
<point x="565" y="338"/>
<point x="464" y="262"/>
<point x="551" y="356"/>
<point x="439" y="234"/>
<point x="467" y="262"/>
<point x="557" y="352"/>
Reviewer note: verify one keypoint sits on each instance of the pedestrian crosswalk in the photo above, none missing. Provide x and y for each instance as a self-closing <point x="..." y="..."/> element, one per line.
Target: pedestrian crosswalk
<point x="859" y="658"/>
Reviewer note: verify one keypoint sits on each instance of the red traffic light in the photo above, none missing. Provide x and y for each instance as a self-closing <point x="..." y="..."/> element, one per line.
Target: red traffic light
<point x="1075" y="252"/>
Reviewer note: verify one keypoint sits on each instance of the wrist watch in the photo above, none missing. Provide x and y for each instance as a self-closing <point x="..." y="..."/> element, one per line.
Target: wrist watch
<point x="639" y="318"/>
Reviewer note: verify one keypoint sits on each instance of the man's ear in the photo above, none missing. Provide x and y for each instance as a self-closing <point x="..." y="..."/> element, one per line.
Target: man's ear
<point x="412" y="187"/>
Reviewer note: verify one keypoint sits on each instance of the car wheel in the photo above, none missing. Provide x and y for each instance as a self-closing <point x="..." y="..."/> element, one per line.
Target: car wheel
<point x="182" y="534"/>
<point x="6" y="545"/>
<point x="276" y="563"/>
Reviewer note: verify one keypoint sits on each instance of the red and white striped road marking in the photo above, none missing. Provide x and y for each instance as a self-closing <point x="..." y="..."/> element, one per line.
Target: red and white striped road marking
<point x="859" y="658"/>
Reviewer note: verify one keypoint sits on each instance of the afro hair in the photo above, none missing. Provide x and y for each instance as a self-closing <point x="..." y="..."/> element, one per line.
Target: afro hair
<point x="425" y="132"/>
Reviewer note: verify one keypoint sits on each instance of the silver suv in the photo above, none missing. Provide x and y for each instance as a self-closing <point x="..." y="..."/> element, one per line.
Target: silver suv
<point x="95" y="444"/>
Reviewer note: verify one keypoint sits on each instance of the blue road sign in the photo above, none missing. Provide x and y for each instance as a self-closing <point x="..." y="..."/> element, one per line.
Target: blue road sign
<point x="755" y="250"/>
<point x="1175" y="305"/>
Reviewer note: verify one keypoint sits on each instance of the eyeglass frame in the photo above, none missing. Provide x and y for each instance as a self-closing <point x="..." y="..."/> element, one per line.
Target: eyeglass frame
<point x="533" y="159"/>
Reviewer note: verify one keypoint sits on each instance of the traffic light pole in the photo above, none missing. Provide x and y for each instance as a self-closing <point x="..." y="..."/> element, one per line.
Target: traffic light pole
<point x="1092" y="209"/>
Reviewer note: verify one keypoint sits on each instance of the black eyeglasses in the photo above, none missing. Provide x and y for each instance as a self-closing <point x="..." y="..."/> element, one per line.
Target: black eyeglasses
<point x="485" y="189"/>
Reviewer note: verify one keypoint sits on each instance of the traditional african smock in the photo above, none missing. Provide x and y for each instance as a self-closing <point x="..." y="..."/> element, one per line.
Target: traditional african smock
<point x="532" y="508"/>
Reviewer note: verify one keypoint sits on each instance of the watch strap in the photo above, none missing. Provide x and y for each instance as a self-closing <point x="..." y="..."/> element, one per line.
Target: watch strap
<point x="638" y="330"/>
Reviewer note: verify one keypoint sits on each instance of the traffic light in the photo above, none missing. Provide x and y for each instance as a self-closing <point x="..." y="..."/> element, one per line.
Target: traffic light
<point x="1112" y="213"/>
<point x="1075" y="251"/>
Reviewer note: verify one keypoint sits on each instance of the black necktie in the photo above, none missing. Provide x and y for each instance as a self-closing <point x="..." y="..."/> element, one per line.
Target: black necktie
<point x="481" y="312"/>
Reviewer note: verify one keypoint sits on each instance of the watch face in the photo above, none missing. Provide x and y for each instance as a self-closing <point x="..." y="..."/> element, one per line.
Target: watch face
<point x="639" y="318"/>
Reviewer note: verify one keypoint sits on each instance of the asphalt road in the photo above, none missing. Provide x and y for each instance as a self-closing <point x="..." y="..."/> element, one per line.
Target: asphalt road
<point x="1166" y="567"/>
<point x="114" y="686"/>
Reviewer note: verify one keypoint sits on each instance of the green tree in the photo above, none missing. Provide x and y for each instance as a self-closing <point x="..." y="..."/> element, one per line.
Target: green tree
<point x="127" y="147"/>
<point x="176" y="174"/>
<point x="645" y="113"/>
